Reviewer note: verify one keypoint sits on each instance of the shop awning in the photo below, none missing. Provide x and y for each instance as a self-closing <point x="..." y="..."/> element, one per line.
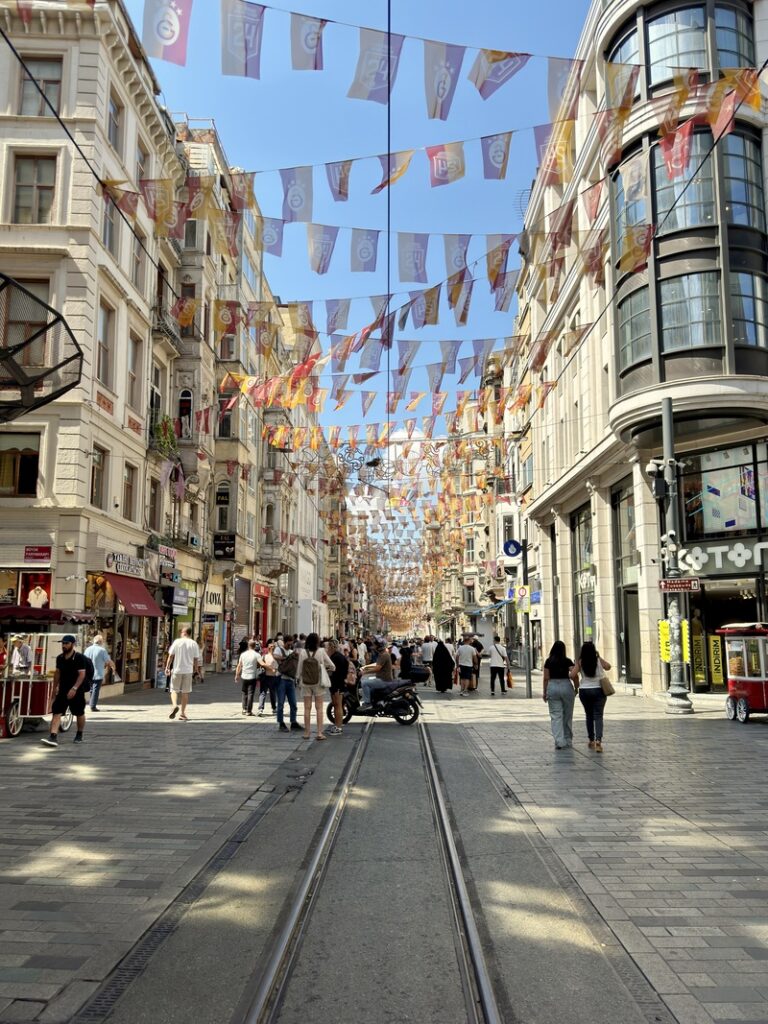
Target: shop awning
<point x="134" y="596"/>
<point x="55" y="615"/>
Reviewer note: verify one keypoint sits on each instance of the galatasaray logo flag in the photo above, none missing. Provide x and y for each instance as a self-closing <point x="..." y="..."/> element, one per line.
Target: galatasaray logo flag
<point x="166" y="29"/>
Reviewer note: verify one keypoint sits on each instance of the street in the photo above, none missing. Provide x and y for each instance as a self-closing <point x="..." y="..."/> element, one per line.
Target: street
<point x="144" y="873"/>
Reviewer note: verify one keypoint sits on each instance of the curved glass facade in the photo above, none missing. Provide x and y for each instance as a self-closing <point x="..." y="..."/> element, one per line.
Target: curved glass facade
<point x="677" y="39"/>
<point x="689" y="311"/>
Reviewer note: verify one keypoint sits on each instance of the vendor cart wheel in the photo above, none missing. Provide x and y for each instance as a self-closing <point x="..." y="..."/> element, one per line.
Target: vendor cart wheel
<point x="66" y="721"/>
<point x="742" y="710"/>
<point x="14" y="721"/>
<point x="730" y="709"/>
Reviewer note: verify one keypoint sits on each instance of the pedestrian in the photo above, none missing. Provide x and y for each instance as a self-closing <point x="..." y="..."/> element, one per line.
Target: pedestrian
<point x="314" y="667"/>
<point x="560" y="694"/>
<point x="269" y="679"/>
<point x="287" y="666"/>
<point x="592" y="669"/>
<point x="406" y="661"/>
<point x="466" y="656"/>
<point x="477" y="644"/>
<point x="69" y="682"/>
<point x="499" y="665"/>
<point x="249" y="665"/>
<point x="443" y="667"/>
<point x="338" y="686"/>
<point x="182" y="663"/>
<point x="428" y="646"/>
<point x="3" y="651"/>
<point x="242" y="647"/>
<point x="21" y="655"/>
<point x="99" y="655"/>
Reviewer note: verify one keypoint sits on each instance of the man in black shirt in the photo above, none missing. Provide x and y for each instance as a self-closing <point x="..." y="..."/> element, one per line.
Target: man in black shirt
<point x="69" y="678"/>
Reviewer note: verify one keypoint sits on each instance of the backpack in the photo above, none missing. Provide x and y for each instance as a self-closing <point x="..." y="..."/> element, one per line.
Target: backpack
<point x="310" y="671"/>
<point x="289" y="665"/>
<point x="89" y="672"/>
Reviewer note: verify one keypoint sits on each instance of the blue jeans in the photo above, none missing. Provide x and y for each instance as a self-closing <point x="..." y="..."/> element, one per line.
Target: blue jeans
<point x="95" y="690"/>
<point x="593" y="699"/>
<point x="286" y="688"/>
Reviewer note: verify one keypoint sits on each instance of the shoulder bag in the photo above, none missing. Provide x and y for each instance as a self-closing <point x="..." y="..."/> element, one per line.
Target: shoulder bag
<point x="605" y="683"/>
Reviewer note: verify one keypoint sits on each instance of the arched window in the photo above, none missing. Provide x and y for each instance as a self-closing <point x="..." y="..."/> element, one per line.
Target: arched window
<point x="185" y="413"/>
<point x="222" y="505"/>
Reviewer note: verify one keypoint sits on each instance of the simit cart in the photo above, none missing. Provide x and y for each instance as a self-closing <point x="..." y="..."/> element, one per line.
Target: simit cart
<point x="746" y="659"/>
<point x="26" y="694"/>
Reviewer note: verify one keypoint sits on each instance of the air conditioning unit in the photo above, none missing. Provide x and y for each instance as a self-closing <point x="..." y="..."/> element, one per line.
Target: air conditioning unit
<point x="193" y="540"/>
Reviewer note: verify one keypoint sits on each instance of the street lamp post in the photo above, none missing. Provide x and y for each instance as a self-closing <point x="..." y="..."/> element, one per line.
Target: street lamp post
<point x="665" y="490"/>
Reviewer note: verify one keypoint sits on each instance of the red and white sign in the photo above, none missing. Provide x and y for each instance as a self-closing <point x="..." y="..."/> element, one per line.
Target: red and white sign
<point x="37" y="553"/>
<point x="259" y="590"/>
<point x="680" y="586"/>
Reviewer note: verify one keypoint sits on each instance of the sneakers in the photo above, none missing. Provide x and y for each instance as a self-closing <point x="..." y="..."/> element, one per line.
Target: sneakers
<point x="366" y="707"/>
<point x="94" y="709"/>
<point x="493" y="693"/>
<point x="174" y="712"/>
<point x="261" y="712"/>
<point x="295" y="725"/>
<point x="334" y="730"/>
<point x="283" y="727"/>
<point x="50" y="741"/>
<point x="78" y="738"/>
<point x="591" y="744"/>
<point x="243" y="712"/>
<point x="599" y="746"/>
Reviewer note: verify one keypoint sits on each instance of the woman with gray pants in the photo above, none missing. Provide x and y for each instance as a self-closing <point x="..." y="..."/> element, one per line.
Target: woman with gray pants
<point x="559" y="694"/>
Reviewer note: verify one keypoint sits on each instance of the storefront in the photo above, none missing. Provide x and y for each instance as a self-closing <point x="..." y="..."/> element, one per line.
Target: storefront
<point x="626" y="575"/>
<point x="724" y="515"/>
<point x="26" y="580"/>
<point x="211" y="626"/>
<point x="126" y="614"/>
<point x="260" y="611"/>
<point x="242" y="614"/>
<point x="584" y="577"/>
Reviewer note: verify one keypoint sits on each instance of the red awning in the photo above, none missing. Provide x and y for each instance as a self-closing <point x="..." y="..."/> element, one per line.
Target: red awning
<point x="134" y="596"/>
<point x="54" y="615"/>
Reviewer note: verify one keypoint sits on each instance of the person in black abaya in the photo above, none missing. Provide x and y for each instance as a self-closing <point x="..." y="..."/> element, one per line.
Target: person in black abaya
<point x="443" y="667"/>
<point x="406" y="660"/>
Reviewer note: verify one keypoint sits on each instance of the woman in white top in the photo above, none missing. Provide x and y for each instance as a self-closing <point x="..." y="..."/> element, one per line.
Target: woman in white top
<point x="592" y="669"/>
<point x="312" y="673"/>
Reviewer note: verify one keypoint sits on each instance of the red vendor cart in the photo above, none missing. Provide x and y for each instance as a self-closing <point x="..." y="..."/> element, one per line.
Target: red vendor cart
<point x="26" y="694"/>
<point x="746" y="660"/>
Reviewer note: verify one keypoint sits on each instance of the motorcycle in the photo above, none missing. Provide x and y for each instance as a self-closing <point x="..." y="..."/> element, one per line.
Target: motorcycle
<point x="397" y="700"/>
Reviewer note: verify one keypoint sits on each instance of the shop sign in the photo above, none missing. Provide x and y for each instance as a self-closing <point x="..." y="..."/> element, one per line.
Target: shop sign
<point x="224" y="545"/>
<point x="716" y="659"/>
<point x="585" y="581"/>
<point x="665" y="640"/>
<point x="208" y="618"/>
<point x="259" y="590"/>
<point x="214" y="601"/>
<point x="727" y="556"/>
<point x="180" y="600"/>
<point x="125" y="565"/>
<point x="167" y="558"/>
<point x="37" y="553"/>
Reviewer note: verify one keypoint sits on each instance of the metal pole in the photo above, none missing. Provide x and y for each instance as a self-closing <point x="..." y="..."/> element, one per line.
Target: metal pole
<point x="527" y="617"/>
<point x="678" y="700"/>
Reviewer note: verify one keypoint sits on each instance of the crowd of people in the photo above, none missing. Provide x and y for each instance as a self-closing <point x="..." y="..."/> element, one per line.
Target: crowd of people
<point x="302" y="668"/>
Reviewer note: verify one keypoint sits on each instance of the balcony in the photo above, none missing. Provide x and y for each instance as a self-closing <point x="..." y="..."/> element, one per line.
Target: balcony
<point x="275" y="556"/>
<point x="165" y="329"/>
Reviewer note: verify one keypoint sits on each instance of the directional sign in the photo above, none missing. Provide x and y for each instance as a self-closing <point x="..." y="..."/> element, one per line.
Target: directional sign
<point x="679" y="586"/>
<point x="512" y="548"/>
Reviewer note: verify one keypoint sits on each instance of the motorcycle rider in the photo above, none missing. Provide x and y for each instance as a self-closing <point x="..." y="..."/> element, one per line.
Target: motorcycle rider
<point x="381" y="668"/>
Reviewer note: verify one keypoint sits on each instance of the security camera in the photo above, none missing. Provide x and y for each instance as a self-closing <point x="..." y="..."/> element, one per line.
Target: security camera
<point x="652" y="468"/>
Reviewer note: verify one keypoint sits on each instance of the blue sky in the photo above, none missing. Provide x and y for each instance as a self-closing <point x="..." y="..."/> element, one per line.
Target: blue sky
<point x="292" y="118"/>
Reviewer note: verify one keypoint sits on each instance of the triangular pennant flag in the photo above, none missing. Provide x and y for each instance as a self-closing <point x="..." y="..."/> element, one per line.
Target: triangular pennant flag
<point x="297" y="194"/>
<point x="306" y="42"/>
<point x="242" y="28"/>
<point x="446" y="163"/>
<point x="338" y="179"/>
<point x="442" y="67"/>
<point x="377" y="66"/>
<point x="393" y="167"/>
<point x="494" y="68"/>
<point x="495" y="150"/>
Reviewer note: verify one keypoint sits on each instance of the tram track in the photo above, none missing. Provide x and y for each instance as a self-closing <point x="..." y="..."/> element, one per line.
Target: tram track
<point x="266" y="1004"/>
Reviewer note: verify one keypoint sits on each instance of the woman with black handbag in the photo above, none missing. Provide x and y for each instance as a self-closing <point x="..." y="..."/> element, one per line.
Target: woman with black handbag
<point x="594" y="690"/>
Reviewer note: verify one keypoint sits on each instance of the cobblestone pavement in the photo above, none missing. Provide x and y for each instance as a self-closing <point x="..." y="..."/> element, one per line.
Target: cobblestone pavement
<point x="99" y="838"/>
<point x="665" y="833"/>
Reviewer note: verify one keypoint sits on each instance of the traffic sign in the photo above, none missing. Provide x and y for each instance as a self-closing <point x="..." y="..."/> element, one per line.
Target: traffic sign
<point x="680" y="586"/>
<point x="523" y="599"/>
<point x="512" y="548"/>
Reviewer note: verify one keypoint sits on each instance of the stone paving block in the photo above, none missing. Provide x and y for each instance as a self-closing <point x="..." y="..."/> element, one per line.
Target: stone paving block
<point x="61" y="1009"/>
<point x="22" y="1009"/>
<point x="727" y="994"/>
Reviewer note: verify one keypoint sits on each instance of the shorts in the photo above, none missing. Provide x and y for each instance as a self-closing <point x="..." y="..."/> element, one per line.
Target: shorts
<point x="339" y="687"/>
<point x="466" y="671"/>
<point x="76" y="705"/>
<point x="181" y="682"/>
<point x="316" y="690"/>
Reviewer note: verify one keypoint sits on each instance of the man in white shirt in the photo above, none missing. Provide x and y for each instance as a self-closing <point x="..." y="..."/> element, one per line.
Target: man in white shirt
<point x="21" y="655"/>
<point x="249" y="666"/>
<point x="428" y="651"/>
<point x="499" y="665"/>
<point x="184" y="656"/>
<point x="466" y="658"/>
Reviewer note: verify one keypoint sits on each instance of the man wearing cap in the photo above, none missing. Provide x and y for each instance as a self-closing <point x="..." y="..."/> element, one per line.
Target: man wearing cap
<point x="21" y="655"/>
<point x="69" y="679"/>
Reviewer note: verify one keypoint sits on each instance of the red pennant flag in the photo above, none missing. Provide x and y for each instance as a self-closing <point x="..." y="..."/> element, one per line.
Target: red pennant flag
<point x="675" y="147"/>
<point x="446" y="163"/>
<point x="166" y="29"/>
<point x="592" y="198"/>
